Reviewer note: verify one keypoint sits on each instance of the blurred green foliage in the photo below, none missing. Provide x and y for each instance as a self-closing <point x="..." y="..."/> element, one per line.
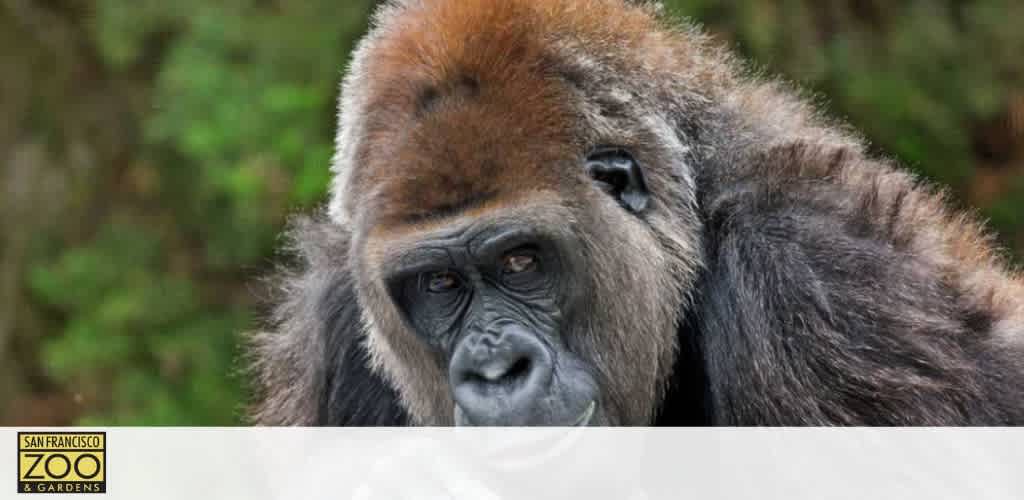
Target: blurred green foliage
<point x="234" y="133"/>
<point x="198" y="127"/>
<point x="918" y="78"/>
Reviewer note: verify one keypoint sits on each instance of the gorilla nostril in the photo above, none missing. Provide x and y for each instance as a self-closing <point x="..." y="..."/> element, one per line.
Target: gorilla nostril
<point x="519" y="370"/>
<point x="474" y="378"/>
<point x="506" y="375"/>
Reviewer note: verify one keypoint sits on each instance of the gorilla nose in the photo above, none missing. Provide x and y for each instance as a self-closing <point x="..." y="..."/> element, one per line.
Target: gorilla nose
<point x="499" y="377"/>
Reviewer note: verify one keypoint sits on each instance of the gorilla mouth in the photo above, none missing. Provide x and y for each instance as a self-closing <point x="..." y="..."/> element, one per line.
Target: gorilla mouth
<point x="583" y="420"/>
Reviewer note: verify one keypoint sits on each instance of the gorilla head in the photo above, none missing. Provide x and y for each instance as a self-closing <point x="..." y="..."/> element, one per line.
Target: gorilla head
<point x="569" y="212"/>
<point x="507" y="248"/>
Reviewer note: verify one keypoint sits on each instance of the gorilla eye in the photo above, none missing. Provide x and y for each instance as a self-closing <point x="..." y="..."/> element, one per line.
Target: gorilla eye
<point x="519" y="263"/>
<point x="442" y="282"/>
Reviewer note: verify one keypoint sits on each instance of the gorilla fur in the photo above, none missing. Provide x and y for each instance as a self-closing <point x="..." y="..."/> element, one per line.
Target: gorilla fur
<point x="781" y="276"/>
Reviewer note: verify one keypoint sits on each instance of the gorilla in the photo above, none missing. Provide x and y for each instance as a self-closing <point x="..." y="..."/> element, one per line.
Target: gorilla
<point x="579" y="212"/>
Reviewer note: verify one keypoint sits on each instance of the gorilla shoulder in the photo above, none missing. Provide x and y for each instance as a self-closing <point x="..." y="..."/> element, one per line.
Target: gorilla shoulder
<point x="858" y="300"/>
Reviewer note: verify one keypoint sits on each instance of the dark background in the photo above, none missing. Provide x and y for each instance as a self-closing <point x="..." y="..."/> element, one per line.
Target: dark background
<point x="150" y="151"/>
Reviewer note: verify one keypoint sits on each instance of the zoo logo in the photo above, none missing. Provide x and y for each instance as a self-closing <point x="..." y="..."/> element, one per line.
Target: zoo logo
<point x="62" y="462"/>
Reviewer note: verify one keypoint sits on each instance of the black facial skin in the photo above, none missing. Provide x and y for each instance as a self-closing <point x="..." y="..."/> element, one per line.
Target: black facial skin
<point x="490" y="300"/>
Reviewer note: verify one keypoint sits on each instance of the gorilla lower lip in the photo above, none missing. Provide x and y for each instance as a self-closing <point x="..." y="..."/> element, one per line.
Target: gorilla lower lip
<point x="584" y="419"/>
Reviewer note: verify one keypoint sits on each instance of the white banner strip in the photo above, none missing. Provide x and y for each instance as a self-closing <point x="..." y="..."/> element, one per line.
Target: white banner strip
<point x="512" y="463"/>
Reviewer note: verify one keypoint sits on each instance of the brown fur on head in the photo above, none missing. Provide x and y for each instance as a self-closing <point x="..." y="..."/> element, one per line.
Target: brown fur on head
<point x="474" y="109"/>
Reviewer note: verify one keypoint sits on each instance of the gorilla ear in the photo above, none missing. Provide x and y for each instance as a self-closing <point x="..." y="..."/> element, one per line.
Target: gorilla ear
<point x="619" y="175"/>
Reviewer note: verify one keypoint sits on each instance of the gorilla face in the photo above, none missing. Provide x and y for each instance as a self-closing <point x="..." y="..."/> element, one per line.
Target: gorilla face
<point x="490" y="298"/>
